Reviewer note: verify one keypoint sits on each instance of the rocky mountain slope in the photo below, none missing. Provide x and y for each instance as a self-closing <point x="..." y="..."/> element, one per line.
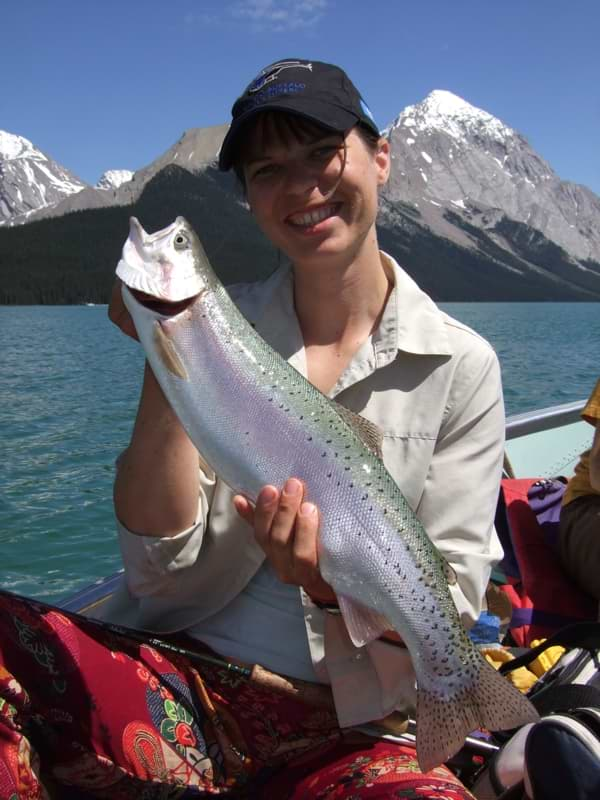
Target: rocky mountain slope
<point x="451" y="155"/>
<point x="30" y="180"/>
<point x="470" y="209"/>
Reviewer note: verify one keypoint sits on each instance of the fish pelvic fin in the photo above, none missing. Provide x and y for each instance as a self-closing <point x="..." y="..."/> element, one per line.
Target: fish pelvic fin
<point x="363" y="624"/>
<point x="168" y="354"/>
<point x="443" y="723"/>
<point x="369" y="433"/>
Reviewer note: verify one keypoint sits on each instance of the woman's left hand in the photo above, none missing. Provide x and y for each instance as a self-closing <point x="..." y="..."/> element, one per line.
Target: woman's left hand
<point x="287" y="529"/>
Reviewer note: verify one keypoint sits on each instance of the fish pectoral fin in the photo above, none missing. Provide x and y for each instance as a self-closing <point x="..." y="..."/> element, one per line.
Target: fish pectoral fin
<point x="168" y="353"/>
<point x="363" y="624"/>
<point x="369" y="433"/>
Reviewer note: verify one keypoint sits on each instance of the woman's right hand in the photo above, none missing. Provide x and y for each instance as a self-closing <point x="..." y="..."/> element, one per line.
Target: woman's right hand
<point x="118" y="313"/>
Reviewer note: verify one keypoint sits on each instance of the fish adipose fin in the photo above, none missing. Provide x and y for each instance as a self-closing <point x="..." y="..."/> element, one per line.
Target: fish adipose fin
<point x="168" y="353"/>
<point x="369" y="434"/>
<point x="363" y="624"/>
<point x="449" y="572"/>
<point x="444" y="722"/>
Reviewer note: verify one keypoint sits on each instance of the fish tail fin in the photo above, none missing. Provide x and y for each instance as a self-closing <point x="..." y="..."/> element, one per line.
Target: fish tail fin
<point x="443" y="723"/>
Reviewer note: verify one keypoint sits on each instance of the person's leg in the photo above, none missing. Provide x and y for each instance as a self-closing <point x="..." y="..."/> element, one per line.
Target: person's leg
<point x="359" y="767"/>
<point x="105" y="715"/>
<point x="579" y="542"/>
<point x="117" y="719"/>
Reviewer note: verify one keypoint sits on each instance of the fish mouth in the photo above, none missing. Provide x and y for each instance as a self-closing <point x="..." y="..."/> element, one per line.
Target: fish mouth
<point x="166" y="308"/>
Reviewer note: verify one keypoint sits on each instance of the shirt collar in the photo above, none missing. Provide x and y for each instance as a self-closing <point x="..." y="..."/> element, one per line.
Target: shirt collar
<point x="411" y="321"/>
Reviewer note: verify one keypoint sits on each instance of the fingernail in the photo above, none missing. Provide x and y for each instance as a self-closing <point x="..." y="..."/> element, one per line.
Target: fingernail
<point x="292" y="487"/>
<point x="306" y="509"/>
<point x="268" y="494"/>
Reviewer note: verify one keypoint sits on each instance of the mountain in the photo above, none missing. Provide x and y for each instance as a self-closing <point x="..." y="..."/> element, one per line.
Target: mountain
<point x="72" y="258"/>
<point x="450" y="155"/>
<point x="29" y="179"/>
<point x="470" y="210"/>
<point x="195" y="150"/>
<point x="113" y="178"/>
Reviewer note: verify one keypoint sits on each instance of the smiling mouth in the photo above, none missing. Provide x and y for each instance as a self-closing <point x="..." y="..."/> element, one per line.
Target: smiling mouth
<point x="160" y="306"/>
<point x="306" y="219"/>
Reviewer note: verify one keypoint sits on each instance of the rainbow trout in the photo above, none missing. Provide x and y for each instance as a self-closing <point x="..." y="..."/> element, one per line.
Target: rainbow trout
<point x="256" y="420"/>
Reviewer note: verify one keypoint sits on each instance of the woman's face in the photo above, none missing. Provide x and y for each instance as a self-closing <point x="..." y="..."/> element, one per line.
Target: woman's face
<point x="315" y="199"/>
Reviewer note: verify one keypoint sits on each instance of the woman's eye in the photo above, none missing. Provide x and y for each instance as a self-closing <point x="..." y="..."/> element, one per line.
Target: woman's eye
<point x="327" y="151"/>
<point x="265" y="171"/>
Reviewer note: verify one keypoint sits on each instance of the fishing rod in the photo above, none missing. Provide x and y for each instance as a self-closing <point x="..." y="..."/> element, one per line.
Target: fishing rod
<point x="312" y="694"/>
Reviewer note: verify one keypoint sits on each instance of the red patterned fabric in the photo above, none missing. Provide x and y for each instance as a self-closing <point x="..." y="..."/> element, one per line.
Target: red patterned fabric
<point x="85" y="713"/>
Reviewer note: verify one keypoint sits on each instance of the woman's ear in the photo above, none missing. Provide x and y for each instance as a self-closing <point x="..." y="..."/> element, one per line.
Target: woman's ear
<point x="383" y="161"/>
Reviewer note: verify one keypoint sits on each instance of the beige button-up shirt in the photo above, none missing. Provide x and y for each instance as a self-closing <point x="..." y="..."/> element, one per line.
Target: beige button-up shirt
<point x="433" y="387"/>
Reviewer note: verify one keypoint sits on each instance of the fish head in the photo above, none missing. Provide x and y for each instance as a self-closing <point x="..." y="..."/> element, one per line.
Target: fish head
<point x="169" y="265"/>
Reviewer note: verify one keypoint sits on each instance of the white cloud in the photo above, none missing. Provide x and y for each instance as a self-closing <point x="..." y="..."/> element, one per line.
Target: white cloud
<point x="279" y="15"/>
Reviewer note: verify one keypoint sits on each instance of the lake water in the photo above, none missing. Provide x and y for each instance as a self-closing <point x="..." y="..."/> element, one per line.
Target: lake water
<point x="69" y="383"/>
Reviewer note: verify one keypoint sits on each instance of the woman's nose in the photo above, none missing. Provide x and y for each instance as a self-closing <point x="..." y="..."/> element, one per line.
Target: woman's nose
<point x="301" y="177"/>
<point x="304" y="177"/>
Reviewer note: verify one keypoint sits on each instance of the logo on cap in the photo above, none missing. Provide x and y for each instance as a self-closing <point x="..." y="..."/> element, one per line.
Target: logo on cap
<point x="271" y="72"/>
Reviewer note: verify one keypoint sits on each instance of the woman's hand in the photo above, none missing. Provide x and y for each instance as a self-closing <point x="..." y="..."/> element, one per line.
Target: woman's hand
<point x="118" y="313"/>
<point x="287" y="529"/>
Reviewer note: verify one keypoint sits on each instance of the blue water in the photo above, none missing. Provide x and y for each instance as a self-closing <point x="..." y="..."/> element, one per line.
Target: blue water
<point x="68" y="393"/>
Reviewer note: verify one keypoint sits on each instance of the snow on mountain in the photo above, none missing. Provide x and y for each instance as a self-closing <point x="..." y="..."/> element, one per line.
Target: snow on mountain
<point x="29" y="179"/>
<point x="457" y="169"/>
<point x="450" y="155"/>
<point x="113" y="178"/>
<point x="444" y="110"/>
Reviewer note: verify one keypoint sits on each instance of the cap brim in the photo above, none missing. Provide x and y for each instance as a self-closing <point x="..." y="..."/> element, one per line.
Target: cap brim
<point x="335" y="119"/>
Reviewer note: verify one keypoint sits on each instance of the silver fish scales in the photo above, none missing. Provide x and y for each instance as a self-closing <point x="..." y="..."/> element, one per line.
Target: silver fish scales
<point x="256" y="420"/>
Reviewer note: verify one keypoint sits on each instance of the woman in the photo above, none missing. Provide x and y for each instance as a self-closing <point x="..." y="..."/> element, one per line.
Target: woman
<point x="245" y="581"/>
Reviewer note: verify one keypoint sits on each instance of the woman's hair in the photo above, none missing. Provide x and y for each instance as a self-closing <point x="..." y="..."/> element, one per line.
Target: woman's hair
<point x="288" y="129"/>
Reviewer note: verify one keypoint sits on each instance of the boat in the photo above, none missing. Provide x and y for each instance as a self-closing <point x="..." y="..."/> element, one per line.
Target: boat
<point x="542" y="443"/>
<point x="539" y="444"/>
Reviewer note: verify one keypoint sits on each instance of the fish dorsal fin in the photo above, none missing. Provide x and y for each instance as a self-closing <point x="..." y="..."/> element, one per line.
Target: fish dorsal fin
<point x="363" y="624"/>
<point x="369" y="434"/>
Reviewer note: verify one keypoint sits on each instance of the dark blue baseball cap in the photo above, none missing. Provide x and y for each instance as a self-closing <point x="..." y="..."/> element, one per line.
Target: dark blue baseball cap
<point x="314" y="90"/>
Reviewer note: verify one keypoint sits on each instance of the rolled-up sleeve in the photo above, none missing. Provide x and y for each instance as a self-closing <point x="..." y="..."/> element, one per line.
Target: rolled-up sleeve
<point x="458" y="503"/>
<point x="153" y="564"/>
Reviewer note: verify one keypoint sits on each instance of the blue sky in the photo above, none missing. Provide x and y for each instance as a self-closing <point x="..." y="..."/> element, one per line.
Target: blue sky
<point x="111" y="84"/>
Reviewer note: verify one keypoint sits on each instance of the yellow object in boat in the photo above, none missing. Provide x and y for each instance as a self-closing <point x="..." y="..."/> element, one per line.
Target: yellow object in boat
<point x="522" y="677"/>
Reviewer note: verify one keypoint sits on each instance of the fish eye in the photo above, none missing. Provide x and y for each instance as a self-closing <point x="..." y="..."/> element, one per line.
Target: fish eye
<point x="181" y="241"/>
